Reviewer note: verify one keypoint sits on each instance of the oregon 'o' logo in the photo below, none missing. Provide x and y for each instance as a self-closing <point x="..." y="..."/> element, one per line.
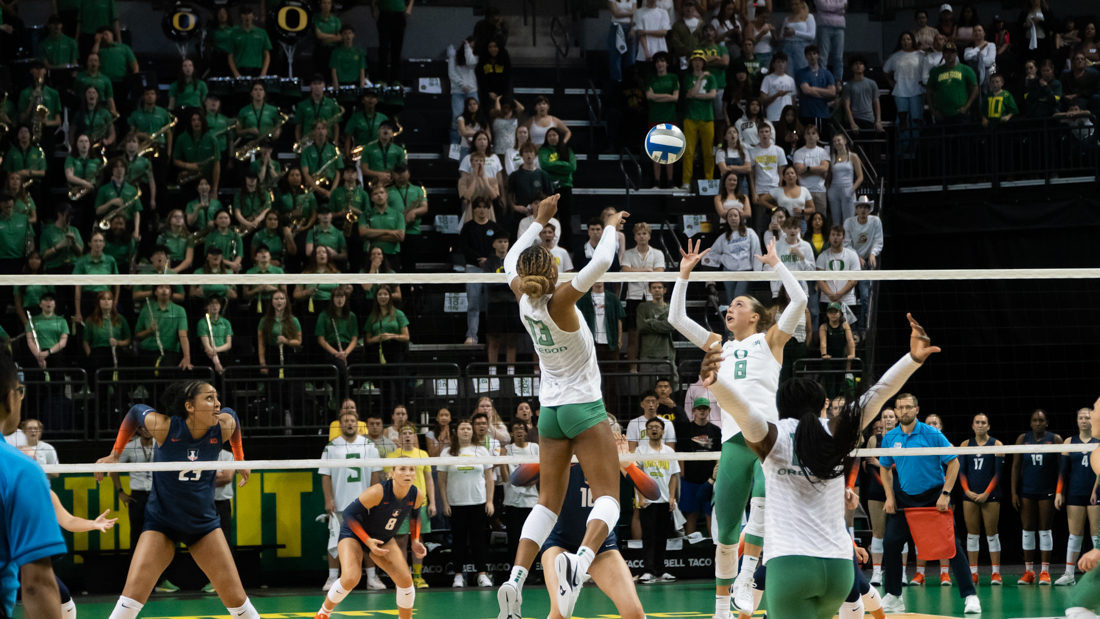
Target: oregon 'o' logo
<point x="293" y="18"/>
<point x="184" y="21"/>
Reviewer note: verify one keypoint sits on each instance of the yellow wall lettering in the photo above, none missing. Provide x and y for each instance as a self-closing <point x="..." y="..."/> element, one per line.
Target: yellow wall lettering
<point x="288" y="489"/>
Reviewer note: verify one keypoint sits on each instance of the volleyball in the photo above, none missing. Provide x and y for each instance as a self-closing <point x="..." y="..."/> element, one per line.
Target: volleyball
<point x="665" y="143"/>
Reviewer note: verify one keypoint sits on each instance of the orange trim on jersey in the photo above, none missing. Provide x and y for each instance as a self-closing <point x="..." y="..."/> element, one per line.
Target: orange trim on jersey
<point x="358" y="530"/>
<point x="962" y="482"/>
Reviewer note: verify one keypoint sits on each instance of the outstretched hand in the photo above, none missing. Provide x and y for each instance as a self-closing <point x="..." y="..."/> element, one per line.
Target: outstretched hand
<point x="920" y="345"/>
<point x="772" y="257"/>
<point x="103" y="523"/>
<point x="547" y="209"/>
<point x="615" y="219"/>
<point x="690" y="258"/>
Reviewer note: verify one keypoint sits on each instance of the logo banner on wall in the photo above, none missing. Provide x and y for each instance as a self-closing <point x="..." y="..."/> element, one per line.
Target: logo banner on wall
<point x="290" y="22"/>
<point x="181" y="23"/>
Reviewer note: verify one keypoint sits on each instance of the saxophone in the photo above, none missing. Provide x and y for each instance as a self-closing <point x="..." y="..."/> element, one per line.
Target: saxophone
<point x="319" y="175"/>
<point x="76" y="192"/>
<point x="41" y="112"/>
<point x="98" y="136"/>
<point x="105" y="223"/>
<point x="351" y="217"/>
<point x="150" y="144"/>
<point x="4" y="127"/>
<point x="252" y="147"/>
<point x="307" y="140"/>
<point x="189" y="176"/>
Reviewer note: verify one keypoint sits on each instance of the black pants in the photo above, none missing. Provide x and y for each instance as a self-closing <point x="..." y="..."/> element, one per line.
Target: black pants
<point x="391" y="38"/>
<point x="514" y="517"/>
<point x="137" y="515"/>
<point x="565" y="217"/>
<point x="468" y="527"/>
<point x="656" y="529"/>
<point x="225" y="513"/>
<point x="897" y="534"/>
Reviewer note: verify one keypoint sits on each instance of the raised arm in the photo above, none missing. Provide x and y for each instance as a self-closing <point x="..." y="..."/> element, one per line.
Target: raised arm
<point x="783" y="330"/>
<point x="677" y="311"/>
<point x="547" y="209"/>
<point x="920" y="348"/>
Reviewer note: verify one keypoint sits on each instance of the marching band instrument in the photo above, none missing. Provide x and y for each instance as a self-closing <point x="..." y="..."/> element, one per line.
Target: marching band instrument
<point x="190" y="176"/>
<point x="76" y="192"/>
<point x="156" y="329"/>
<point x="319" y="177"/>
<point x="34" y="332"/>
<point x="252" y="147"/>
<point x="41" y="112"/>
<point x="232" y="124"/>
<point x="213" y="342"/>
<point x="150" y="144"/>
<point x="105" y="223"/>
<point x="307" y="140"/>
<point x="4" y="127"/>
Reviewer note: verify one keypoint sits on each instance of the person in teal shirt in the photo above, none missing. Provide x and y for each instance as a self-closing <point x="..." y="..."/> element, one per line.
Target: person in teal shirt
<point x="251" y="53"/>
<point x="215" y="334"/>
<point x="187" y="90"/>
<point x="214" y="265"/>
<point x="382" y="226"/>
<point x="57" y="49"/>
<point x="48" y="333"/>
<point x="348" y="63"/>
<point x="115" y="58"/>
<point x="558" y="160"/>
<point x="413" y="202"/>
<point x="95" y="262"/>
<point x="381" y="156"/>
<point x="162" y="329"/>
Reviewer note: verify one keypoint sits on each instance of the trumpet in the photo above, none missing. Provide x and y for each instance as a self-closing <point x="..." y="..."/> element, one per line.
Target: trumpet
<point x="252" y="147"/>
<point x="189" y="176"/>
<point x="76" y="192"/>
<point x="150" y="144"/>
<point x="105" y="223"/>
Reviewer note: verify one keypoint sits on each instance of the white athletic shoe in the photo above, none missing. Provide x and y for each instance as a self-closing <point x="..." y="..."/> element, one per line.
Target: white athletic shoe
<point x="876" y="578"/>
<point x="1078" y="612"/>
<point x="1066" y="580"/>
<point x="483" y="580"/>
<point x="742" y="591"/>
<point x="973" y="606"/>
<point x="893" y="604"/>
<point x="460" y="581"/>
<point x="328" y="583"/>
<point x="374" y="584"/>
<point x="647" y="579"/>
<point x="510" y="599"/>
<point x="569" y="583"/>
<point x="666" y="577"/>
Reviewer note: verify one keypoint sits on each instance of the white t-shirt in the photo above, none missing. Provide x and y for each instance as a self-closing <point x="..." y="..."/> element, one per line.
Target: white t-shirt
<point x="349" y="483"/>
<point x="16" y="439"/>
<point x="772" y="84"/>
<point x="792" y="261"/>
<point x="466" y="482"/>
<point x="636" y="291"/>
<point x="635" y="430"/>
<point x="526" y="222"/>
<point x="931" y="59"/>
<point x="907" y="68"/>
<point x="44" y="453"/>
<point x="134" y="452"/>
<point x="623" y="6"/>
<point x="791" y="203"/>
<point x="514" y="161"/>
<point x="845" y="260"/>
<point x="660" y="470"/>
<point x="225" y="493"/>
<point x="565" y="262"/>
<point x="492" y="166"/>
<point x="766" y="165"/>
<point x="749" y="130"/>
<point x="599" y="304"/>
<point x="811" y="158"/>
<point x="651" y="19"/>
<point x="520" y="496"/>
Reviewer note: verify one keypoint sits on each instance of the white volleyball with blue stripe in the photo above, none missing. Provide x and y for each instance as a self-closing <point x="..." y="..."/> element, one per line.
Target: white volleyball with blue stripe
<point x="665" y="143"/>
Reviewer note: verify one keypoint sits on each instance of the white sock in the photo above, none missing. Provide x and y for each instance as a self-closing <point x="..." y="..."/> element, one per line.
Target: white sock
<point x="333" y="572"/>
<point x="943" y="569"/>
<point x="748" y="565"/>
<point x="246" y="611"/>
<point x="721" y="607"/>
<point x="920" y="570"/>
<point x="125" y="608"/>
<point x="1070" y="569"/>
<point x="586" y="555"/>
<point x="876" y="569"/>
<point x="852" y="610"/>
<point x="518" y="577"/>
<point x="371" y="572"/>
<point x="996" y="568"/>
<point x="973" y="569"/>
<point x="68" y="610"/>
<point x="903" y="576"/>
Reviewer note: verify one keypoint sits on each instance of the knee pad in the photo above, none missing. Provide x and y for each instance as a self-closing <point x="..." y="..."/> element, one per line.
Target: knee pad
<point x="68" y="609"/>
<point x="538" y="525"/>
<point x="1028" y="542"/>
<point x="994" y="542"/>
<point x="1046" y="540"/>
<point x="876" y="545"/>
<point x="725" y="561"/>
<point x="852" y="610"/>
<point x="872" y="601"/>
<point x="755" y="525"/>
<point x="973" y="543"/>
<point x="337" y="593"/>
<point x="406" y="597"/>
<point x="606" y="509"/>
<point x="1075" y="542"/>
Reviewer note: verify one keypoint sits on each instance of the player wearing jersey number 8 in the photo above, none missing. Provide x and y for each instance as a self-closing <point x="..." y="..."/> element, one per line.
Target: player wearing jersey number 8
<point x="572" y="418"/>
<point x="755" y="358"/>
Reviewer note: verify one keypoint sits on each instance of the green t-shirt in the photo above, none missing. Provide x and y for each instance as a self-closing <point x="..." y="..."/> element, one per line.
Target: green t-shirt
<point x="249" y="205"/>
<point x="205" y="215"/>
<point x="309" y="111"/>
<point x="348" y="62"/>
<point x="276" y="331"/>
<point x="391" y="6"/>
<point x="58" y="52"/>
<point x="189" y="150"/>
<point x="263" y="119"/>
<point x="94" y="14"/>
<point x="270" y="181"/>
<point x="170" y="321"/>
<point x="337" y="331"/>
<point x="321" y="292"/>
<point x="86" y="265"/>
<point x="386" y="324"/>
<point x="115" y="60"/>
<point x="699" y="109"/>
<point x="331" y="25"/>
<point x="951" y="87"/>
<point x="273" y="241"/>
<point x="223" y="330"/>
<point x="25" y="205"/>
<point x="138" y="170"/>
<point x="97" y="123"/>
<point x="363" y="129"/>
<point x="717" y="71"/>
<point x="381" y="158"/>
<point x="560" y="170"/>
<point x="224" y="37"/>
<point x="271" y="270"/>
<point x="390" y="219"/>
<point x="249" y="47"/>
<point x="14" y="231"/>
<point x="121" y="250"/>
<point x="100" y="82"/>
<point x="219" y="125"/>
<point x="332" y="238"/>
<point x="177" y="245"/>
<point x="995" y="107"/>
<point x="50" y="98"/>
<point x="150" y="121"/>
<point x="176" y="289"/>
<point x="49" y="330"/>
<point x="208" y="290"/>
<point x="342" y="199"/>
<point x="305" y="201"/>
<point x="18" y="159"/>
<point x="192" y="95"/>
<point x="404" y="199"/>
<point x="229" y="242"/>
<point x="52" y="235"/>
<point x="99" y="336"/>
<point x="663" y="112"/>
<point x="315" y="157"/>
<point x="32" y="295"/>
<point x="85" y="168"/>
<point x="128" y="193"/>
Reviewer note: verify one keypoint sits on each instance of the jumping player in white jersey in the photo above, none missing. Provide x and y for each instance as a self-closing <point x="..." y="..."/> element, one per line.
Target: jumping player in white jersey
<point x="572" y="418"/>
<point x="754" y="359"/>
<point x="804" y="458"/>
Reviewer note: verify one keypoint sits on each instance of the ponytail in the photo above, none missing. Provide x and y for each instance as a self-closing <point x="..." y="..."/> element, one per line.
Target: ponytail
<point x="537" y="272"/>
<point x="821" y="456"/>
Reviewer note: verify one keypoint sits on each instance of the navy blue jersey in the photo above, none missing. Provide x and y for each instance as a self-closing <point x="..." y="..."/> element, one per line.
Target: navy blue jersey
<point x="572" y="522"/>
<point x="184" y="500"/>
<point x="382" y="521"/>
<point x="1076" y="478"/>
<point x="1040" y="471"/>
<point x="979" y="470"/>
<point x="874" y="471"/>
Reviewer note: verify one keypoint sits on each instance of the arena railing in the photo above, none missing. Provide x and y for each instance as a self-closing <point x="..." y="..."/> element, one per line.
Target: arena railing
<point x="421" y="386"/>
<point x="117" y="389"/>
<point x="61" y="400"/>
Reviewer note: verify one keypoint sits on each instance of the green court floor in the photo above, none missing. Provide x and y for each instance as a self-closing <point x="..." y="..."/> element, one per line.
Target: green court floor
<point x="685" y="599"/>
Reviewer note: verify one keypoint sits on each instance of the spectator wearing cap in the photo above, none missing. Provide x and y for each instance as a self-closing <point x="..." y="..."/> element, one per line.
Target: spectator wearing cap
<point x="699" y="435"/>
<point x="946" y="25"/>
<point x="410" y="199"/>
<point x="348" y="63"/>
<point x="324" y="234"/>
<point x="57" y="49"/>
<point x="381" y="156"/>
<point x="700" y="91"/>
<point x="952" y="89"/>
<point x="391" y="17"/>
<point x="316" y="107"/>
<point x="685" y="35"/>
<point x="816" y="87"/>
<point x="863" y="234"/>
<point x="251" y="55"/>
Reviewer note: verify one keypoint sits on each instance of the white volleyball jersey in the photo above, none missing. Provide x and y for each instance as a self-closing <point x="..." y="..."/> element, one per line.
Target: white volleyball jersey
<point x="570" y="374"/>
<point x="349" y="483"/>
<point x="751" y="363"/>
<point x="810" y="516"/>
